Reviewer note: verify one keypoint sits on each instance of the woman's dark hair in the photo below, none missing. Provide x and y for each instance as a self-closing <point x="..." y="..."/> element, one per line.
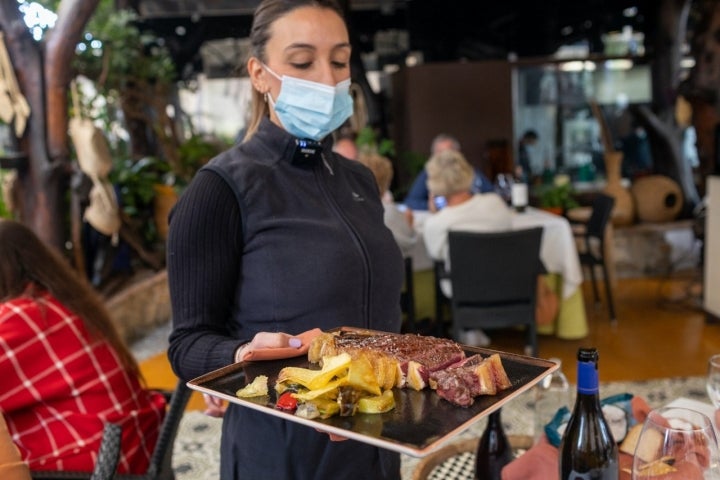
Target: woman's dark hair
<point x="265" y="15"/>
<point x="29" y="267"/>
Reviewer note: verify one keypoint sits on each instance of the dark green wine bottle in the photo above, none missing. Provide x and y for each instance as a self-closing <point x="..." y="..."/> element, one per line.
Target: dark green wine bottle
<point x="588" y="450"/>
<point x="494" y="450"/>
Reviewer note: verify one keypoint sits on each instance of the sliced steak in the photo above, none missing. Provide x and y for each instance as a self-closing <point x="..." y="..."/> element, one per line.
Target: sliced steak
<point x="431" y="352"/>
<point x="474" y="376"/>
<point x="417" y="361"/>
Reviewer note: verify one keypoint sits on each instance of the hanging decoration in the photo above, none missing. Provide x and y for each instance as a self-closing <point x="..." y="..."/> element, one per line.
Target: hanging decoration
<point x="13" y="105"/>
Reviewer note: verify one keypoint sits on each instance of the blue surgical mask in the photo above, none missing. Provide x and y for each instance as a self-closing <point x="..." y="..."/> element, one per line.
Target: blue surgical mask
<point x="310" y="109"/>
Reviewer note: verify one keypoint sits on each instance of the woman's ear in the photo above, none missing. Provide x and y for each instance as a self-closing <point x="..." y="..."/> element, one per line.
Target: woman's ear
<point x="257" y="75"/>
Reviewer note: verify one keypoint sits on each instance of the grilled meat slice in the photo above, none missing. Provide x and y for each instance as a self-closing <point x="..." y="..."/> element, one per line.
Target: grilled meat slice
<point x="415" y="361"/>
<point x="461" y="383"/>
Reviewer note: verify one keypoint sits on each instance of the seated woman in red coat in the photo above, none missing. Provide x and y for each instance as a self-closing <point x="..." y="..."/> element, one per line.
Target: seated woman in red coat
<point x="65" y="370"/>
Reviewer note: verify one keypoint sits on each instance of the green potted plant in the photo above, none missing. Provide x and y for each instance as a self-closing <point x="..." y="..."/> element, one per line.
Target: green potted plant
<point x="4" y="209"/>
<point x="136" y="182"/>
<point x="367" y="139"/>
<point x="192" y="154"/>
<point x="558" y="197"/>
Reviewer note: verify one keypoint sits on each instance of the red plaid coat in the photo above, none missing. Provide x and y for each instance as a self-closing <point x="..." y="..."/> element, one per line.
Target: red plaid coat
<point x="57" y="388"/>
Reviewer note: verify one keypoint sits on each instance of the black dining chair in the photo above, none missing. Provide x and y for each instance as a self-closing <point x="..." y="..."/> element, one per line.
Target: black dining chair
<point x="591" y="245"/>
<point x="494" y="281"/>
<point x="108" y="456"/>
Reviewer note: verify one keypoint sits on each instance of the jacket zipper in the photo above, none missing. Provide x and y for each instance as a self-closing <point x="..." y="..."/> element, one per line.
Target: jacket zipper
<point x="358" y="241"/>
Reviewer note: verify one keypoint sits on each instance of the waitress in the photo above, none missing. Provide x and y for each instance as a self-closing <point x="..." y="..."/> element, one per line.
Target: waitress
<point x="279" y="235"/>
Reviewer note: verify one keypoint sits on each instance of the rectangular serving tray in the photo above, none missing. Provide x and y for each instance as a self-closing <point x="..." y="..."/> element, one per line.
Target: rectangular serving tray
<point x="420" y="423"/>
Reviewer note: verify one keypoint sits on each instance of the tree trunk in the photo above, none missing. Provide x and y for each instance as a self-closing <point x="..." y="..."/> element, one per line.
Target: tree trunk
<point x="44" y="72"/>
<point x="702" y="88"/>
<point x="659" y="122"/>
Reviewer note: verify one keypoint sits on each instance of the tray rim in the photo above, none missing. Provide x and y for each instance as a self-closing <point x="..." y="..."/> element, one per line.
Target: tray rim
<point x="433" y="446"/>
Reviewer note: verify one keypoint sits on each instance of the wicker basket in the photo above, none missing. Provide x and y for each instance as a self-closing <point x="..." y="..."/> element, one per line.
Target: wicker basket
<point x="141" y="307"/>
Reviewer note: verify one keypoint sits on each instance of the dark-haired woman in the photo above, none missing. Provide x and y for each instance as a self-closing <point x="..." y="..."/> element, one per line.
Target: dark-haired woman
<point x="65" y="371"/>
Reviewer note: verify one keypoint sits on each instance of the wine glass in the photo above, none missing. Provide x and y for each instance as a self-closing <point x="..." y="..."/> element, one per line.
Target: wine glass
<point x="676" y="444"/>
<point x="712" y="382"/>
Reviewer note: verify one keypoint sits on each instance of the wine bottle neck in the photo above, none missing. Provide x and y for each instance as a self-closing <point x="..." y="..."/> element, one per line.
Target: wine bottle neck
<point x="587" y="378"/>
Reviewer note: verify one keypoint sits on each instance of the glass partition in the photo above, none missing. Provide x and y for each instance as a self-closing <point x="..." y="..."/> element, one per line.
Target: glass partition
<point x="554" y="99"/>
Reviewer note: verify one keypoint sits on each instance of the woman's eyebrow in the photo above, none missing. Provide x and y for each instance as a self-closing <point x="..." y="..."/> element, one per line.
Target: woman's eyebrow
<point x="313" y="47"/>
<point x="293" y="46"/>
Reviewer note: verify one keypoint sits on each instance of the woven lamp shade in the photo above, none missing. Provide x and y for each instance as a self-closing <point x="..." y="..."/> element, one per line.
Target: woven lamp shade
<point x="657" y="198"/>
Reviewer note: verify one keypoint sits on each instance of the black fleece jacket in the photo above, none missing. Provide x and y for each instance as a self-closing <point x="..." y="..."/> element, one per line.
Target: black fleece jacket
<point x="262" y="242"/>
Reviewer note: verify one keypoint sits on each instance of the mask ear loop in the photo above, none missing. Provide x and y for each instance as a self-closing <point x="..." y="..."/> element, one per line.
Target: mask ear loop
<point x="266" y="95"/>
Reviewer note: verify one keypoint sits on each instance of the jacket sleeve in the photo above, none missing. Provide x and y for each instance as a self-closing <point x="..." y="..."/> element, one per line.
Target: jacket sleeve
<point x="204" y="251"/>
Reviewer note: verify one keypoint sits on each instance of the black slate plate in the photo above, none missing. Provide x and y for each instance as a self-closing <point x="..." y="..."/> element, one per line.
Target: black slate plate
<point x="420" y="423"/>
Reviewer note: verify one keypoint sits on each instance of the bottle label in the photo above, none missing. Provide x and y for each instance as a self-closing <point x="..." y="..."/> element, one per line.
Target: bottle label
<point x="587" y="378"/>
<point x="519" y="195"/>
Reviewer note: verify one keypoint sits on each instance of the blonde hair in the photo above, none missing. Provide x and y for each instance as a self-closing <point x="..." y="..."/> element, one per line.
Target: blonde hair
<point x="448" y="173"/>
<point x="380" y="166"/>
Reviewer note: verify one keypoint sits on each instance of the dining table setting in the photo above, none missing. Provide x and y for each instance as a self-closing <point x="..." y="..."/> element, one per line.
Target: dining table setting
<point x="672" y="436"/>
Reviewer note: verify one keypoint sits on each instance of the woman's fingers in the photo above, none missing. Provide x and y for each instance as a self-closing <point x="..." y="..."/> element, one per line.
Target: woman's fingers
<point x="215" y="407"/>
<point x="275" y="340"/>
<point x="333" y="437"/>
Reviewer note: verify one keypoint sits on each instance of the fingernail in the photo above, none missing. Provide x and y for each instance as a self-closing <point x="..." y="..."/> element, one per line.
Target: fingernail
<point x="295" y="343"/>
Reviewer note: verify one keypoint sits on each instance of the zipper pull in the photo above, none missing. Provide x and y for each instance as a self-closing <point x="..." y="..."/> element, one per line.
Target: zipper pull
<point x="327" y="165"/>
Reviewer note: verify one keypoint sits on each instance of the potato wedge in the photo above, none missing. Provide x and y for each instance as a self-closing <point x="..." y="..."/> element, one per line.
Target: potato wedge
<point x="330" y="390"/>
<point x="377" y="404"/>
<point x="257" y="388"/>
<point x="361" y="376"/>
<point x="315" y="379"/>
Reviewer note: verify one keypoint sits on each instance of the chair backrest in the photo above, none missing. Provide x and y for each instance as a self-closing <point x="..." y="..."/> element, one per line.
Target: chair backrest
<point x="160" y="467"/>
<point x="109" y="454"/>
<point x="602" y="207"/>
<point x="161" y="460"/>
<point x="495" y="267"/>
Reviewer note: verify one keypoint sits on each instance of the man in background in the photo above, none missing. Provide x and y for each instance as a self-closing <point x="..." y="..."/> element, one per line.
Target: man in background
<point x="522" y="166"/>
<point x="417" y="196"/>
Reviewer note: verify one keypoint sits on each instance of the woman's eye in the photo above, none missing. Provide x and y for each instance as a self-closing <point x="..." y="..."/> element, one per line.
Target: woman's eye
<point x="301" y="66"/>
<point x="339" y="65"/>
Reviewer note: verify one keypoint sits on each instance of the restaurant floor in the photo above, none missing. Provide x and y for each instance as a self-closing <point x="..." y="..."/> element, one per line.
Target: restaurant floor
<point x="661" y="331"/>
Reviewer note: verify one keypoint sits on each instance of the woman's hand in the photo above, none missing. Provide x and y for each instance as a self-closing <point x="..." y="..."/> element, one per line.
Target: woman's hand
<point x="215" y="406"/>
<point x="274" y="340"/>
<point x="333" y="437"/>
<point x="263" y="340"/>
